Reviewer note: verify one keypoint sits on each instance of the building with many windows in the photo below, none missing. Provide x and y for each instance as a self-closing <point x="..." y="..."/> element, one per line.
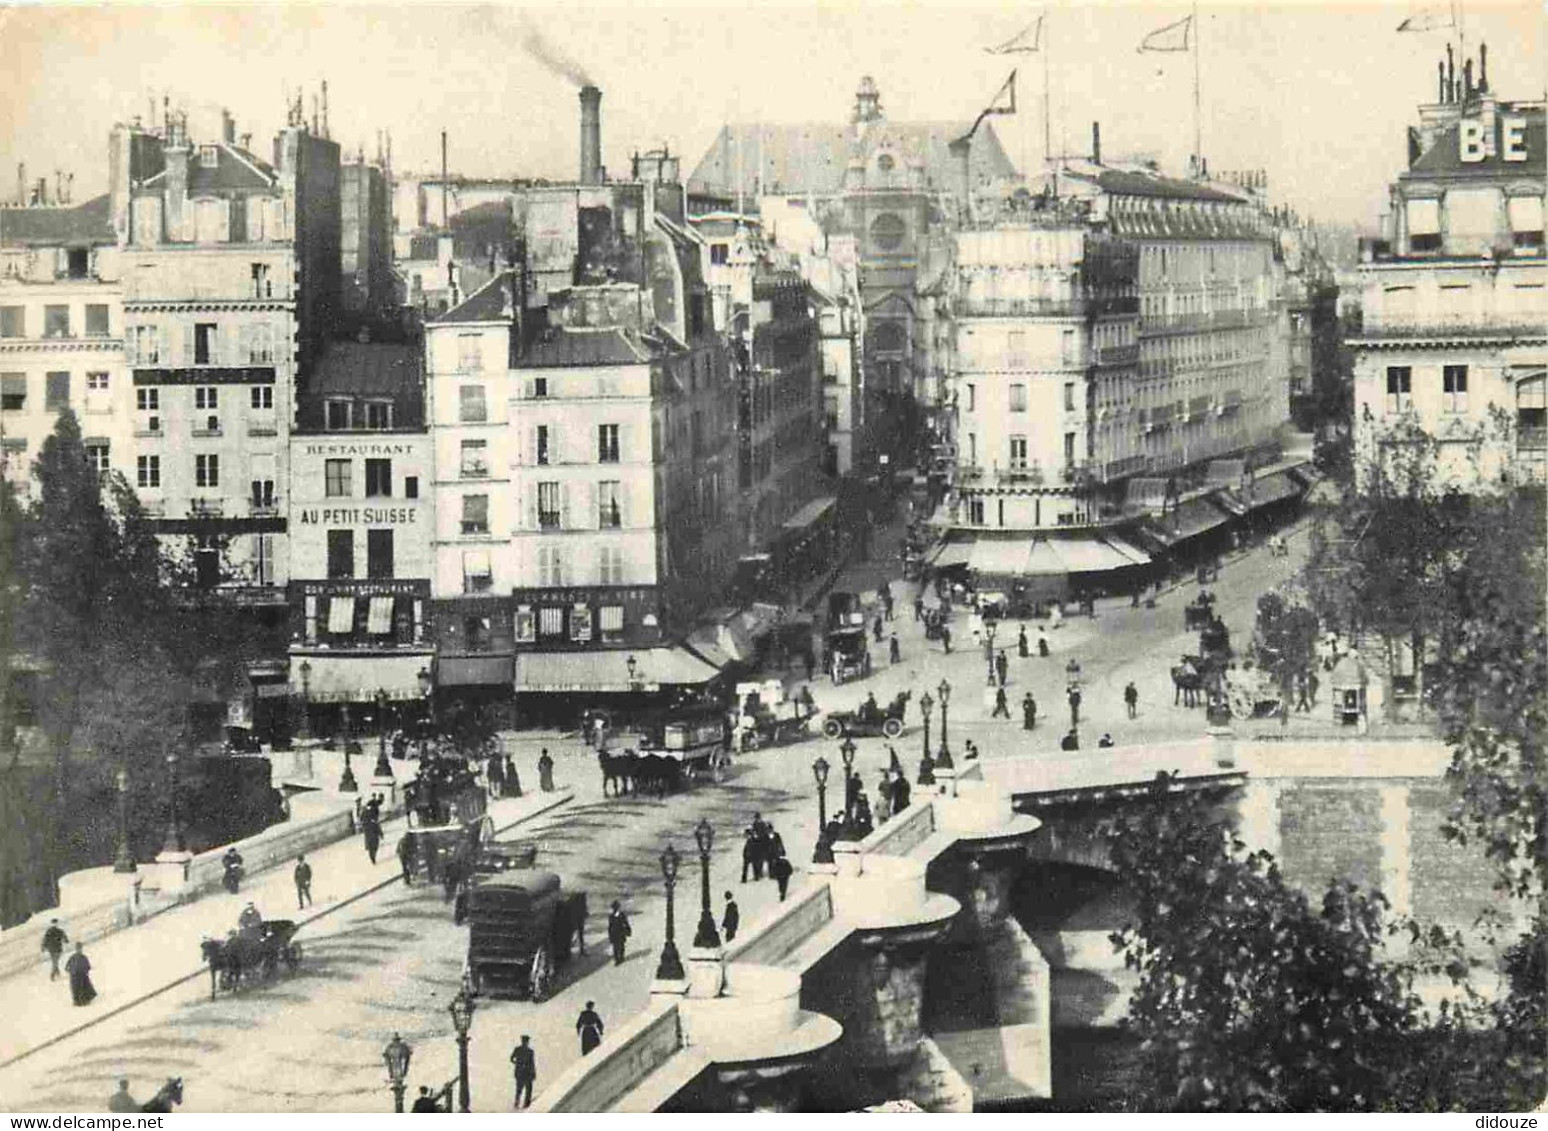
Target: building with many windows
<point x="62" y="336"/>
<point x="1454" y="295"/>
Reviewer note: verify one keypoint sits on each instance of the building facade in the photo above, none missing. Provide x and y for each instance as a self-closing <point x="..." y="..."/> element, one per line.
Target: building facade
<point x="1454" y="296"/>
<point x="62" y="336"/>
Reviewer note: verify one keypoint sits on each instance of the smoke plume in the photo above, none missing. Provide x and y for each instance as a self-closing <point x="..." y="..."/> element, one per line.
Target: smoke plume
<point x="555" y="60"/>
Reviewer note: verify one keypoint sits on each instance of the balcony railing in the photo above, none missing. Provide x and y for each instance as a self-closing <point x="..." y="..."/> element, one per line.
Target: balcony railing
<point x="1117" y="355"/>
<point x="548" y="520"/>
<point x="1452" y="324"/>
<point x="1532" y="439"/>
<point x="1019" y="307"/>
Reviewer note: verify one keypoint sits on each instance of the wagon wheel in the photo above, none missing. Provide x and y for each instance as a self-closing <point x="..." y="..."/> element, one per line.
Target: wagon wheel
<point x="832" y="728"/>
<point x="1243" y="703"/>
<point x="540" y="980"/>
<point x="228" y="978"/>
<point x="891" y="727"/>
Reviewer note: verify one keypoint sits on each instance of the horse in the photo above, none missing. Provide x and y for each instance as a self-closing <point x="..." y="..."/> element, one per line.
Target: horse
<point x="621" y="770"/>
<point x="170" y="1096"/>
<point x="1187" y="686"/>
<point x="225" y="965"/>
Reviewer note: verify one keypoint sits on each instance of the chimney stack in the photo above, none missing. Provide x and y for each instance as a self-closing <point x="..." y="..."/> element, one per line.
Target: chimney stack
<point x="591" y="136"/>
<point x="1096" y="143"/>
<point x="1483" y="68"/>
<point x="227" y="127"/>
<point x="21" y="183"/>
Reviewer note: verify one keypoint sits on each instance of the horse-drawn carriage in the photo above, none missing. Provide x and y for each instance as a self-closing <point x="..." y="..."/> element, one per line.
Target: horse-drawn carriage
<point x="849" y="656"/>
<point x="521" y="928"/>
<point x="253" y="952"/>
<point x="673" y="747"/>
<point x="870" y="720"/>
<point x="447" y="822"/>
<point x="768" y="716"/>
<point x="1199" y="612"/>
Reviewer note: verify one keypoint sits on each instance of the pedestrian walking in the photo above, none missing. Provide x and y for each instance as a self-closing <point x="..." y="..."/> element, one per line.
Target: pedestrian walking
<point x="405" y="858"/>
<point x="919" y="608"/>
<point x="54" y="941"/>
<point x="78" y="967"/>
<point x="1028" y="711"/>
<point x="371" y="833"/>
<point x="1312" y="683"/>
<point x="524" y="1067"/>
<point x="589" y="1026"/>
<point x="1001" y="666"/>
<point x="894" y="653"/>
<point x="876" y="629"/>
<point x="900" y="792"/>
<point x="494" y="774"/>
<point x="774" y="846"/>
<point x="1042" y="642"/>
<point x="545" y="766"/>
<point x="781" y="869"/>
<point x="1001" y="708"/>
<point x="303" y="878"/>
<point x="1131" y="699"/>
<point x="1303" y="701"/>
<point x="618" y="932"/>
<point x="512" y="780"/>
<point x="946" y="639"/>
<point x="732" y="919"/>
<point x="752" y="854"/>
<point x="884" y="797"/>
<point x="1022" y="649"/>
<point x="1074" y="697"/>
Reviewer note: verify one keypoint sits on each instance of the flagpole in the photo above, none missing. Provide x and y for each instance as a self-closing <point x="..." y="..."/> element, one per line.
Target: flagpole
<point x="1198" y="143"/>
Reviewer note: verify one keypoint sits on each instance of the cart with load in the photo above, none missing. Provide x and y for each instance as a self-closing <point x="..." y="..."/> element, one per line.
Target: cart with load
<point x="521" y="929"/>
<point x="768" y="716"/>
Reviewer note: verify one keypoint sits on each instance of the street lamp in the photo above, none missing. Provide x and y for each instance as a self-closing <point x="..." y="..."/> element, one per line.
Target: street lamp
<point x="633" y="665"/>
<point x="670" y="968"/>
<point x="926" y="705"/>
<point x="461" y="1010"/>
<point x="123" y="863"/>
<point x="943" y="758"/>
<point x="397" y="1055"/>
<point x="989" y="630"/>
<point x="175" y="842"/>
<point x="824" y="852"/>
<point x="347" y="783"/>
<point x="383" y="767"/>
<point x="426" y="686"/>
<point x="706" y="937"/>
<point x="847" y="752"/>
<point x="305" y="731"/>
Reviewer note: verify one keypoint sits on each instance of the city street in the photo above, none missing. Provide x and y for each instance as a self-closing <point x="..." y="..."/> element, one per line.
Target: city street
<point x="392" y="961"/>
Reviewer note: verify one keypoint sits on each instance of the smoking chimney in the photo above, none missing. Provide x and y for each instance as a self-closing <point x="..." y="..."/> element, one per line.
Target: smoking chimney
<point x="1096" y="143"/>
<point x="591" y="136"/>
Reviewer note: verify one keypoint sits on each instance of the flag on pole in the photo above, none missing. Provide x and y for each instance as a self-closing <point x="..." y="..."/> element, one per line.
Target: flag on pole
<point x="1028" y="41"/>
<point x="1004" y="100"/>
<point x="1172" y="37"/>
<point x="1429" y="19"/>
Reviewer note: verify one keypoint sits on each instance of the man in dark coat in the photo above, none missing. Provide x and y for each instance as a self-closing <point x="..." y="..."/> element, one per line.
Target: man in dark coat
<point x="946" y="639"/>
<point x="775" y="845"/>
<point x="618" y="931"/>
<point x="894" y="653"/>
<point x="1028" y="711"/>
<point x="752" y="855"/>
<point x="1074" y="697"/>
<point x="780" y="870"/>
<point x="371" y="832"/>
<point x="1131" y="698"/>
<point x="427" y="1101"/>
<point x="589" y="1026"/>
<point x="54" y="940"/>
<point x="1001" y="666"/>
<point x="303" y="878"/>
<point x="78" y="967"/>
<point x="524" y="1065"/>
<point x="900" y="792"/>
<point x="1001" y="707"/>
<point x="406" y="857"/>
<point x="732" y="918"/>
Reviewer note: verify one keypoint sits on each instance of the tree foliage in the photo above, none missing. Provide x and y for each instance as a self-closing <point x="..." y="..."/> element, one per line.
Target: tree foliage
<point x="1285" y="639"/>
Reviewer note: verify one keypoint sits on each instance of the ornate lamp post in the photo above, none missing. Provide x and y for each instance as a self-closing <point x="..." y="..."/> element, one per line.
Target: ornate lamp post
<point x="304" y="732"/>
<point x="347" y="783"/>
<point x="396" y="1056"/>
<point x="383" y="767"/>
<point x="706" y="937"/>
<point x="926" y="705"/>
<point x="461" y="1010"/>
<point x="989" y="631"/>
<point x="670" y="968"/>
<point x="943" y="758"/>
<point x="633" y="665"/>
<point x="824" y="852"/>
<point x="847" y="752"/>
<point x="426" y="686"/>
<point x="123" y="863"/>
<point x="175" y="842"/>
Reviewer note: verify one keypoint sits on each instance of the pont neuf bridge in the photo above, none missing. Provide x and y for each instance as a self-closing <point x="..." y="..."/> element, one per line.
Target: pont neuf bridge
<point x="940" y="959"/>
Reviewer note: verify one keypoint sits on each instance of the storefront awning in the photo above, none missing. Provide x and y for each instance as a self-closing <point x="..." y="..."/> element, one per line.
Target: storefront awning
<point x="952" y="554"/>
<point x="1230" y="502"/>
<point x="357" y="678"/>
<point x="810" y="513"/>
<point x="1005" y="559"/>
<point x="609" y="671"/>
<point x="474" y="671"/>
<point x="1189" y="520"/>
<point x="1088" y="555"/>
<point x="1135" y="555"/>
<point x="1271" y="489"/>
<point x="1044" y="561"/>
<point x="341" y="615"/>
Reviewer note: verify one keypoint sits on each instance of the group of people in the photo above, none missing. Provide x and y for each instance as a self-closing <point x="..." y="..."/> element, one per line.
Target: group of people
<point x="763" y="849"/>
<point x="500" y="776"/>
<point x="77" y="967"/>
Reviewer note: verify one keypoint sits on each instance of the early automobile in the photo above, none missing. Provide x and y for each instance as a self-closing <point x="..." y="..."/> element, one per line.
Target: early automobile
<point x="870" y="720"/>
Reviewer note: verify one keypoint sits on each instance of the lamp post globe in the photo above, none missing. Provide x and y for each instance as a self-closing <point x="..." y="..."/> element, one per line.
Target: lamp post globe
<point x="706" y="936"/>
<point x="943" y="757"/>
<point x="396" y="1056"/>
<point x="824" y="851"/>
<point x="123" y="862"/>
<point x="670" y="968"/>
<point x="847" y="753"/>
<point x="461" y="1010"/>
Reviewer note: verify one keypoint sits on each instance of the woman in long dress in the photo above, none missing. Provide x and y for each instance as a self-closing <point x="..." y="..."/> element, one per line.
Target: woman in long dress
<point x="79" y="969"/>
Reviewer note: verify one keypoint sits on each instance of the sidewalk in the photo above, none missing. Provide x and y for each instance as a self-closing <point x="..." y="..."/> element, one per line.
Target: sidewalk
<point x="142" y="961"/>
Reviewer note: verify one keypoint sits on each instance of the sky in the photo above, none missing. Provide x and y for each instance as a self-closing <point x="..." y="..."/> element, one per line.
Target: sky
<point x="1318" y="95"/>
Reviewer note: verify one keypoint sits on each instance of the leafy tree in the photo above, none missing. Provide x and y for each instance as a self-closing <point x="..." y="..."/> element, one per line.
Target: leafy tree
<point x="1285" y="640"/>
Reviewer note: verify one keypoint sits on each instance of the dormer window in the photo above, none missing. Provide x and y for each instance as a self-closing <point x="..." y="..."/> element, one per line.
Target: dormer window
<point x="209" y="156"/>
